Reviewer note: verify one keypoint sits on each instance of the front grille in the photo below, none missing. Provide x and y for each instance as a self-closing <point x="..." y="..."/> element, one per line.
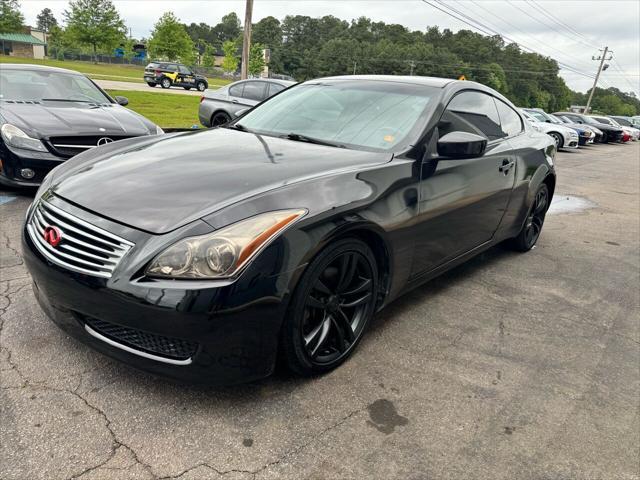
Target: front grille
<point x="173" y="348"/>
<point x="70" y="146"/>
<point x="83" y="247"/>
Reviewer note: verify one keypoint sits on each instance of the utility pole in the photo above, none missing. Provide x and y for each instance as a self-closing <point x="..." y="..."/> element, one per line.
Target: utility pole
<point x="246" y="40"/>
<point x="355" y="64"/>
<point x="595" y="82"/>
<point x="412" y="64"/>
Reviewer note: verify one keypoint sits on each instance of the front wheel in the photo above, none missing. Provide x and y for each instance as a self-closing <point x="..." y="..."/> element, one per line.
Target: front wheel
<point x="165" y="83"/>
<point x="201" y="86"/>
<point x="532" y="227"/>
<point x="330" y="309"/>
<point x="558" y="139"/>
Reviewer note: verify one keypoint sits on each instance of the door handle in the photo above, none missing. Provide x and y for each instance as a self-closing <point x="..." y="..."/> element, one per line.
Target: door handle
<point x="234" y="101"/>
<point x="506" y="166"/>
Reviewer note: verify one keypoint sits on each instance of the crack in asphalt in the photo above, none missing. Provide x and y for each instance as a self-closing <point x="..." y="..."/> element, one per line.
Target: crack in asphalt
<point x="16" y="253"/>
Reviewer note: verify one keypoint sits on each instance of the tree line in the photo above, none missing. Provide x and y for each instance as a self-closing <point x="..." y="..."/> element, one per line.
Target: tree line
<point x="305" y="47"/>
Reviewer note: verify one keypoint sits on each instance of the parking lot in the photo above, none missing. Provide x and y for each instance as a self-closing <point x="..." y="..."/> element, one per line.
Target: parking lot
<point x="510" y="367"/>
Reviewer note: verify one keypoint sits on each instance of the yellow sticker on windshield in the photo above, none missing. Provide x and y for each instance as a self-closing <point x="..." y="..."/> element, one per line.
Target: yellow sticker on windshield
<point x="389" y="138"/>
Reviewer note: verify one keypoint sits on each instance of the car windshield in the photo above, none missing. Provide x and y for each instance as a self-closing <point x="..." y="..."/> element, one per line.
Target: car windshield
<point x="32" y="85"/>
<point x="369" y="115"/>
<point x="623" y="121"/>
<point x="554" y="119"/>
<point x="537" y="115"/>
<point x="590" y="120"/>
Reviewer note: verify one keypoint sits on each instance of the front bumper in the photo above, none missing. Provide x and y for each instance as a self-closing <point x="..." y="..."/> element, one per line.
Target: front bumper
<point x="13" y="162"/>
<point x="235" y="326"/>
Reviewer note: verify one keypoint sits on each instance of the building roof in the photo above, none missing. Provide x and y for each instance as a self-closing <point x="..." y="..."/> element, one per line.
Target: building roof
<point x="21" y="38"/>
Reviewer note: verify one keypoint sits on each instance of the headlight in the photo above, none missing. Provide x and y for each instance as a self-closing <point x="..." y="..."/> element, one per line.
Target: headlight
<point x="223" y="253"/>
<point x="159" y="131"/>
<point x="15" y="137"/>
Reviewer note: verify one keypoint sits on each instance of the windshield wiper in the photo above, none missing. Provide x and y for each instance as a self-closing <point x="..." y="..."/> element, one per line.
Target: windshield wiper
<point x="237" y="126"/>
<point x="296" y="137"/>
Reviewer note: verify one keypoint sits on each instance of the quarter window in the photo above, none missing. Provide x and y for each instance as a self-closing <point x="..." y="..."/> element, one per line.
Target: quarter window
<point x="510" y="121"/>
<point x="275" y="88"/>
<point x="472" y="112"/>
<point x="236" y="90"/>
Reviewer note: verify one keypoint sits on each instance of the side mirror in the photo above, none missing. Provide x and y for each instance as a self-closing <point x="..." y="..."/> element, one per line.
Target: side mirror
<point x="124" y="101"/>
<point x="548" y="121"/>
<point x="457" y="145"/>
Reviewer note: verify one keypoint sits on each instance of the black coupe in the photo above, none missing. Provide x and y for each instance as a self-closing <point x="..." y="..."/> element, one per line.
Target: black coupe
<point x="48" y="115"/>
<point x="204" y="255"/>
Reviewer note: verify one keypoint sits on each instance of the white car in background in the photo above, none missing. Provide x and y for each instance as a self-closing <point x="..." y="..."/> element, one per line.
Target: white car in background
<point x="633" y="132"/>
<point x="565" y="137"/>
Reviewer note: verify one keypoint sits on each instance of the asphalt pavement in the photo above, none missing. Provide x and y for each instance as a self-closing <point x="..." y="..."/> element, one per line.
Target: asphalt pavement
<point x="513" y="366"/>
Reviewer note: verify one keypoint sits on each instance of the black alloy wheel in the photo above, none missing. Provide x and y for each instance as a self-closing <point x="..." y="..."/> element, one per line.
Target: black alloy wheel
<point x="165" y="83"/>
<point x="532" y="228"/>
<point x="332" y="306"/>
<point x="201" y="86"/>
<point x="220" y="118"/>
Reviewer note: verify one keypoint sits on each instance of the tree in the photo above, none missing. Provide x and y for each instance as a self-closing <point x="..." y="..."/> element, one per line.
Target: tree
<point x="209" y="59"/>
<point x="256" y="59"/>
<point x="46" y="20"/>
<point x="96" y="23"/>
<point x="230" y="61"/>
<point x="268" y="32"/>
<point x="11" y="18"/>
<point x="228" y="28"/>
<point x="170" y="40"/>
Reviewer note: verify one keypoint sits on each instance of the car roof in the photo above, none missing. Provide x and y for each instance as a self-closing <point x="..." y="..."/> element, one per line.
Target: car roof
<point x="273" y="80"/>
<point x="41" y="68"/>
<point x="417" y="80"/>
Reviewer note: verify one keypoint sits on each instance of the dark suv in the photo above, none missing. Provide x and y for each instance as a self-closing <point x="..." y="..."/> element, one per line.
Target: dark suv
<point x="169" y="74"/>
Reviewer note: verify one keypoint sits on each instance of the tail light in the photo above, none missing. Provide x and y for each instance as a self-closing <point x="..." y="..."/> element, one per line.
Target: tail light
<point x="157" y="72"/>
<point x="201" y="99"/>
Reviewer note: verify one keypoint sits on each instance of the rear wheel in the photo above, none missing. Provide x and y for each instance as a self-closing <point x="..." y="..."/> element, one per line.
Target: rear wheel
<point x="165" y="83"/>
<point x="532" y="228"/>
<point x="151" y="84"/>
<point x="331" y="308"/>
<point x="220" y="118"/>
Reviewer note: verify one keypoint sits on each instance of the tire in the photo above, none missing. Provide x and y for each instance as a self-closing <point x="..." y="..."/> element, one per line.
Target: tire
<point x="528" y="236"/>
<point x="330" y="309"/>
<point x="201" y="86"/>
<point x="151" y="84"/>
<point x="558" y="138"/>
<point x="220" y="118"/>
<point x="165" y="82"/>
<point x="187" y="88"/>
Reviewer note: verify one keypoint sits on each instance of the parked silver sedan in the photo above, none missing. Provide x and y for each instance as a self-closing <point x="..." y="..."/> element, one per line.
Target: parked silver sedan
<point x="218" y="107"/>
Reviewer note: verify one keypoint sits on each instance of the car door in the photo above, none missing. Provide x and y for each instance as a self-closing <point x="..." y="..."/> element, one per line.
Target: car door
<point x="186" y="78"/>
<point x="463" y="201"/>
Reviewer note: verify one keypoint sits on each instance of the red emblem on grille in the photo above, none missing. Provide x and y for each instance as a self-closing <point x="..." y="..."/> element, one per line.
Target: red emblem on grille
<point x="52" y="235"/>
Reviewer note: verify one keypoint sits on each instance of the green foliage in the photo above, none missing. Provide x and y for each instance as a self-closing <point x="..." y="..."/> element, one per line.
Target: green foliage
<point x="267" y="32"/>
<point x="256" y="59"/>
<point x="46" y="20"/>
<point x="11" y="18"/>
<point x="610" y="101"/>
<point x="230" y="61"/>
<point x="170" y="41"/>
<point x="208" y="59"/>
<point x="96" y="23"/>
<point x="60" y="42"/>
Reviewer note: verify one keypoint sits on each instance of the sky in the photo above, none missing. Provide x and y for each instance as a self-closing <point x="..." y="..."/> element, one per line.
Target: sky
<point x="570" y="31"/>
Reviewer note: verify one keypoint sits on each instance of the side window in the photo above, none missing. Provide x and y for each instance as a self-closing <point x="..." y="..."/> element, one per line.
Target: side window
<point x="184" y="70"/>
<point x="509" y="120"/>
<point x="472" y="112"/>
<point x="254" y="90"/>
<point x="236" y="90"/>
<point x="172" y="67"/>
<point x="275" y="88"/>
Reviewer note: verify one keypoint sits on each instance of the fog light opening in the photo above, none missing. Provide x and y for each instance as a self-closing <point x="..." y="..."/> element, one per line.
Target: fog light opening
<point x="27" y="173"/>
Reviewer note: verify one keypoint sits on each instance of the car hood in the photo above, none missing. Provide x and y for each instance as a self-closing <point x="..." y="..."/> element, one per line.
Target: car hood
<point x="48" y="119"/>
<point x="158" y="184"/>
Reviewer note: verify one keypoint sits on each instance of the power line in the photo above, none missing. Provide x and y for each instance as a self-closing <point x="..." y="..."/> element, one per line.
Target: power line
<point x="483" y="28"/>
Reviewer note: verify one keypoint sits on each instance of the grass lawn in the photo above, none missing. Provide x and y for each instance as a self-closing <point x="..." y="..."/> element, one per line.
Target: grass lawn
<point x="166" y="110"/>
<point x="100" y="71"/>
